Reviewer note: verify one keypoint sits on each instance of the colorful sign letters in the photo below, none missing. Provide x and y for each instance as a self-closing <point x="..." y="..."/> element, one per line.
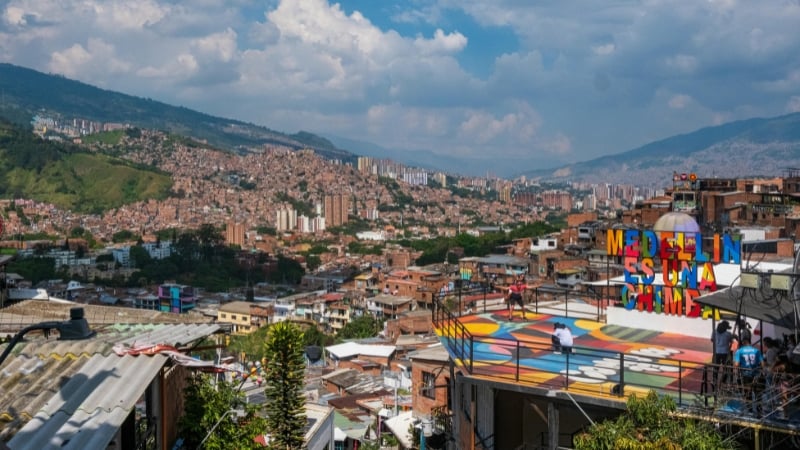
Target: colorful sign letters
<point x="666" y="271"/>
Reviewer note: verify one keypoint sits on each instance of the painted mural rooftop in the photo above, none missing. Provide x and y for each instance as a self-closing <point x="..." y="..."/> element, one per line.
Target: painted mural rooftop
<point x="608" y="362"/>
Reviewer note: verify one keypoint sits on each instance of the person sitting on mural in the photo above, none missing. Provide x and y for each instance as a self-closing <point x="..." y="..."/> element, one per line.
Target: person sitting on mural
<point x="722" y="340"/>
<point x="515" y="297"/>
<point x="562" y="338"/>
<point x="749" y="361"/>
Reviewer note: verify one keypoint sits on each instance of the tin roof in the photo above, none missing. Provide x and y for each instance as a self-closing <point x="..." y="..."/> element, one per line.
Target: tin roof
<point x="89" y="408"/>
<point x="54" y="391"/>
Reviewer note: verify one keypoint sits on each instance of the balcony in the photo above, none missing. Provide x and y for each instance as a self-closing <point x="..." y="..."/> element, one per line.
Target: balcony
<point x="608" y="364"/>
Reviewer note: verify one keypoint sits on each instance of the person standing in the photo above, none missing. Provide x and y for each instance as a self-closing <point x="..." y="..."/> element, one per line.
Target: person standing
<point x="722" y="339"/>
<point x="515" y="292"/>
<point x="749" y="361"/>
<point x="744" y="331"/>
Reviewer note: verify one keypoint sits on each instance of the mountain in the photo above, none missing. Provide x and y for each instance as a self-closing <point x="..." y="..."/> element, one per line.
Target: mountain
<point x="26" y="92"/>
<point x="445" y="163"/>
<point x="753" y="147"/>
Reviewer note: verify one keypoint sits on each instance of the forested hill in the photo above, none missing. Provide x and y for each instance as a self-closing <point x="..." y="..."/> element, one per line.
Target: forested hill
<point x="26" y="92"/>
<point x="70" y="177"/>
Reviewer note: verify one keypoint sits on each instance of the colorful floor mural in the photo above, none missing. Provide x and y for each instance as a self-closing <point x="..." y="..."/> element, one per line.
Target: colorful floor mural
<point x="520" y="351"/>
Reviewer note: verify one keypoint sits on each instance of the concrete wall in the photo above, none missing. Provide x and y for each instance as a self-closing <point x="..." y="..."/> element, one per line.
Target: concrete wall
<point x="690" y="326"/>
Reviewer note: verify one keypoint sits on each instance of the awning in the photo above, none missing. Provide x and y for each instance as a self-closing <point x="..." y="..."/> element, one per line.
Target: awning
<point x="399" y="426"/>
<point x="771" y="306"/>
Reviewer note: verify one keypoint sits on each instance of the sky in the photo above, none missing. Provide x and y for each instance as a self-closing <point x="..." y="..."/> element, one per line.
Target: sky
<point x="528" y="82"/>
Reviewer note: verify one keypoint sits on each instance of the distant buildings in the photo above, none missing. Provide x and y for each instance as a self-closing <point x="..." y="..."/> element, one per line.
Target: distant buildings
<point x="337" y="208"/>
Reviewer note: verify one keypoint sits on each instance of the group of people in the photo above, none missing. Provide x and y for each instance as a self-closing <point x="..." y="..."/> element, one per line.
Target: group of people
<point x="561" y="337"/>
<point x="756" y="371"/>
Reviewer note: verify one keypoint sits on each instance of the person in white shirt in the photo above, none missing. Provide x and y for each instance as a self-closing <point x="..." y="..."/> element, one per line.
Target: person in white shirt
<point x="562" y="338"/>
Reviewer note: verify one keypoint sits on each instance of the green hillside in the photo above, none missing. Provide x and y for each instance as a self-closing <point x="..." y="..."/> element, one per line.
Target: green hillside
<point x="27" y="92"/>
<point x="69" y="177"/>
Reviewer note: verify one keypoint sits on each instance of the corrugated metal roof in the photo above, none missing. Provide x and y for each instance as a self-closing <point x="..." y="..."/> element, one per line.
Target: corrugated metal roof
<point x="174" y="335"/>
<point x="39" y="372"/>
<point x="86" y="412"/>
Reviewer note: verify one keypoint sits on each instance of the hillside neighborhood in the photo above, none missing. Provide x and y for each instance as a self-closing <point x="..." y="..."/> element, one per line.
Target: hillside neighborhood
<point x="412" y="372"/>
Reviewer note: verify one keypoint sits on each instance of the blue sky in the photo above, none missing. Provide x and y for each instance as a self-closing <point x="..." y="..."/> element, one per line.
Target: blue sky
<point x="514" y="83"/>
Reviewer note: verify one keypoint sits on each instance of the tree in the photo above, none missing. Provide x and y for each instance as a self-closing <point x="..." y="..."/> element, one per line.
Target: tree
<point x="122" y="236"/>
<point x="649" y="423"/>
<point x="285" y="405"/>
<point x="140" y="256"/>
<point x="207" y="403"/>
<point x="361" y="327"/>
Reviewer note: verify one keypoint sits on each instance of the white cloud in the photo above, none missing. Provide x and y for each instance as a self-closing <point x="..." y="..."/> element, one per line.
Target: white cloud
<point x="679" y="101"/>
<point x="793" y="105"/>
<point x="560" y="80"/>
<point x="603" y="50"/>
<point x="441" y="43"/>
<point x="98" y="56"/>
<point x="681" y="63"/>
<point x="15" y="16"/>
<point x="220" y="46"/>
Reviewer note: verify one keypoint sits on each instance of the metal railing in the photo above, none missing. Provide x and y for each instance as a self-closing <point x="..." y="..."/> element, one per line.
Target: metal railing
<point x="586" y="370"/>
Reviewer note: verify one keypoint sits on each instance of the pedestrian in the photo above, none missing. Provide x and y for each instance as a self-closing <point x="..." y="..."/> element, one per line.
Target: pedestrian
<point x="722" y="340"/>
<point x="780" y="385"/>
<point x="772" y="352"/>
<point x="515" y="292"/>
<point x="744" y="331"/>
<point x="749" y="361"/>
<point x="562" y="335"/>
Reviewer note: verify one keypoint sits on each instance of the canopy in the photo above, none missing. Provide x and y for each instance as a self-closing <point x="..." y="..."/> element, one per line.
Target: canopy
<point x="775" y="307"/>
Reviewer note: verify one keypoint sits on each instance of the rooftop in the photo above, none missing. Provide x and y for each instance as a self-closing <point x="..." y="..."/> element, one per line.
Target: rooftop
<point x="608" y="364"/>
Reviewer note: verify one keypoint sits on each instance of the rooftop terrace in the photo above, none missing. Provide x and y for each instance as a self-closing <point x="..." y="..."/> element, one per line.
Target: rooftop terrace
<point x="608" y="363"/>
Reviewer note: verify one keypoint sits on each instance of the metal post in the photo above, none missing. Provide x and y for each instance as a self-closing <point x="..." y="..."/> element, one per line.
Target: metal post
<point x="552" y="426"/>
<point x="485" y="288"/>
<point x="680" y="383"/>
<point x="471" y="350"/>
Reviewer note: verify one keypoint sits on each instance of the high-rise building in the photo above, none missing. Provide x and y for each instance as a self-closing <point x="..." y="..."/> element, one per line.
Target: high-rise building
<point x="336" y="209"/>
<point x="286" y="219"/>
<point x="234" y="233"/>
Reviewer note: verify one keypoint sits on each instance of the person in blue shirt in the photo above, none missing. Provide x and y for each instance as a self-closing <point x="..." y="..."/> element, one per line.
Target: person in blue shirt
<point x="749" y="362"/>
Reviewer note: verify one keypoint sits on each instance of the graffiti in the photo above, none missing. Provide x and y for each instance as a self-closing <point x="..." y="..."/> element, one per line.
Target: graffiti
<point x="606" y="369"/>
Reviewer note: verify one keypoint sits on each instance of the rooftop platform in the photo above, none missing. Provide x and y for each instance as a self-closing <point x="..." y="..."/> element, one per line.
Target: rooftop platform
<point x="607" y="365"/>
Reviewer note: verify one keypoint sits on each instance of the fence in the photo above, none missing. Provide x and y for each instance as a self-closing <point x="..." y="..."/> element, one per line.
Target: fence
<point x="589" y="371"/>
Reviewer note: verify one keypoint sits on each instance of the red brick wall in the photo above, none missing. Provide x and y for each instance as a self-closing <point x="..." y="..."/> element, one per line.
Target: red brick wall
<point x="420" y="400"/>
<point x="573" y="220"/>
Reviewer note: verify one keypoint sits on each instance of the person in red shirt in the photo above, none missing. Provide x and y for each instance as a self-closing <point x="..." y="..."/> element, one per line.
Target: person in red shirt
<point x="515" y="296"/>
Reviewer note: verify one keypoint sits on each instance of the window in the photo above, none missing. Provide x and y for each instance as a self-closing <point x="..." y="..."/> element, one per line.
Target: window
<point x="428" y="385"/>
<point x="233" y="316"/>
<point x="223" y="316"/>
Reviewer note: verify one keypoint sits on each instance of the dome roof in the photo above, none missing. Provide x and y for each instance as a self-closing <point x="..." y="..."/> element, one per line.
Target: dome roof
<point x="676" y="222"/>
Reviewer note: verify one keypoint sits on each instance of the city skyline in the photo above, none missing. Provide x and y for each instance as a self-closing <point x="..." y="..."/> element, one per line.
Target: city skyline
<point x="527" y="85"/>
